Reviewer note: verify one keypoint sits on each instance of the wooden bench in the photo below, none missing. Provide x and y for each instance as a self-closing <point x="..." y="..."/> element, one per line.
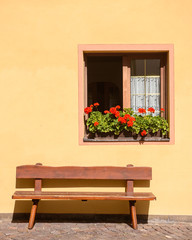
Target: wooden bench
<point x="127" y="174"/>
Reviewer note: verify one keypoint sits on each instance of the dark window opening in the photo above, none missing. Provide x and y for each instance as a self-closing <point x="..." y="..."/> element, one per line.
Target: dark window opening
<point x="104" y="81"/>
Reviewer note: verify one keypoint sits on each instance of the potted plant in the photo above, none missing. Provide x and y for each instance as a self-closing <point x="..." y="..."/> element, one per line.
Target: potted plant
<point x="117" y="122"/>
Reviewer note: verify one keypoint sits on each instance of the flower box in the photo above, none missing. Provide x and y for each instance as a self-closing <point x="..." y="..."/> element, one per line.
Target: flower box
<point x="124" y="125"/>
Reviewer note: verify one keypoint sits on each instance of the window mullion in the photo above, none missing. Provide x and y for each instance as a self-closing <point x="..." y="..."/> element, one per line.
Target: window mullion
<point x="126" y="82"/>
<point x="163" y="97"/>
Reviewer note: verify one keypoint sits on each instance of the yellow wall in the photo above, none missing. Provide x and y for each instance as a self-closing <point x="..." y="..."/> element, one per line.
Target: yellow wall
<point x="39" y="93"/>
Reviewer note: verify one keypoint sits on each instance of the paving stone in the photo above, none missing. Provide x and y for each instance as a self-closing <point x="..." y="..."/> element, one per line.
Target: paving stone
<point x="95" y="231"/>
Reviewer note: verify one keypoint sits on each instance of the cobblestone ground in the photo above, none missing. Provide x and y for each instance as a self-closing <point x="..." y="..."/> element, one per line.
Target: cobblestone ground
<point x="94" y="231"/>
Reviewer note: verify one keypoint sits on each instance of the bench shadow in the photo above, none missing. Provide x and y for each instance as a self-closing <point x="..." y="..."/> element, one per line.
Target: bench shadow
<point x="78" y="218"/>
<point x="61" y="183"/>
<point x="87" y="211"/>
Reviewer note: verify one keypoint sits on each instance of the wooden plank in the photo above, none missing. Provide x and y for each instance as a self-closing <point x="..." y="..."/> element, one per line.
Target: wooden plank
<point x="129" y="186"/>
<point x="83" y="195"/>
<point x="38" y="182"/>
<point x="85" y="82"/>
<point x="110" y="173"/>
<point x="129" y="183"/>
<point x="38" y="185"/>
<point x="163" y="86"/>
<point x="126" y="83"/>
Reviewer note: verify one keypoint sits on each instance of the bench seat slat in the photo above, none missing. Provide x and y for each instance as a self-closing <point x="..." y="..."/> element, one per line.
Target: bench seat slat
<point x="84" y="195"/>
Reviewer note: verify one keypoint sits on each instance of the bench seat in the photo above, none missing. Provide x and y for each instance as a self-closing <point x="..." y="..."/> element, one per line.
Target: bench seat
<point x="84" y="195"/>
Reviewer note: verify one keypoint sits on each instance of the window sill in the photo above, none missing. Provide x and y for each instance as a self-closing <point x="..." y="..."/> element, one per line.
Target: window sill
<point x="123" y="138"/>
<point x="127" y="140"/>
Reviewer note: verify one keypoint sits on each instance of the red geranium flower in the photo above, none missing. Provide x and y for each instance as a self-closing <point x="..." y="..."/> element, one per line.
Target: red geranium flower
<point x="162" y="109"/>
<point x="96" y="123"/>
<point x="106" y="111"/>
<point x="117" y="114"/>
<point x="91" y="105"/>
<point x="88" y="110"/>
<point x="130" y="123"/>
<point x="132" y="119"/>
<point x="127" y="116"/>
<point x="117" y="107"/>
<point x="143" y="133"/>
<point x="141" y="110"/>
<point x="152" y="110"/>
<point x="121" y="120"/>
<point x="113" y="110"/>
<point x="96" y="104"/>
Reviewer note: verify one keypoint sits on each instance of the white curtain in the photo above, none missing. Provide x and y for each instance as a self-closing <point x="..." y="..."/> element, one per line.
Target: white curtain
<point x="145" y="93"/>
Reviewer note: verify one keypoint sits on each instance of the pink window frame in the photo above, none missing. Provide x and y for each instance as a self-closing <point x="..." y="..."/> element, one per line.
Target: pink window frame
<point x="125" y="48"/>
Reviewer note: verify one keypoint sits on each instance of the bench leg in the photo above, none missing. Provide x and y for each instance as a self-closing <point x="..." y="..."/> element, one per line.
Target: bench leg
<point x="133" y="214"/>
<point x="33" y="213"/>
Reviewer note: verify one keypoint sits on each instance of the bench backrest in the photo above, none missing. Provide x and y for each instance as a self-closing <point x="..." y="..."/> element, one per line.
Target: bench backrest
<point x="113" y="173"/>
<point x="39" y="172"/>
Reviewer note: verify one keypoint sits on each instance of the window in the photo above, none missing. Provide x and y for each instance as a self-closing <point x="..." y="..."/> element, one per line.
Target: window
<point x="132" y="76"/>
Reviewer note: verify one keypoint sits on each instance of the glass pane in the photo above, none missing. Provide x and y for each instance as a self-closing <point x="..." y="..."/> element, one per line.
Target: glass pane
<point x="137" y="85"/>
<point x="154" y="102"/>
<point x="153" y="84"/>
<point x="137" y="101"/>
<point x="137" y="67"/>
<point x="104" y="76"/>
<point x="145" y="84"/>
<point x="152" y="67"/>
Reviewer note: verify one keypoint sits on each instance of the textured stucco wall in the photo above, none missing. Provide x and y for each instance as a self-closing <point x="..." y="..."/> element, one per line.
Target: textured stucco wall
<point x="39" y="94"/>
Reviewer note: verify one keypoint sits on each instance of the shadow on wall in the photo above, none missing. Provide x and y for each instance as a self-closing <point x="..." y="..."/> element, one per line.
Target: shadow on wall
<point x="74" y="210"/>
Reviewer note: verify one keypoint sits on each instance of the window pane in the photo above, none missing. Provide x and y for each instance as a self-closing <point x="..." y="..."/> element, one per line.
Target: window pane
<point x="104" y="76"/>
<point x="137" y="67"/>
<point x="137" y="85"/>
<point x="137" y="101"/>
<point x="145" y="84"/>
<point x="154" y="102"/>
<point x="152" y="67"/>
<point x="153" y="84"/>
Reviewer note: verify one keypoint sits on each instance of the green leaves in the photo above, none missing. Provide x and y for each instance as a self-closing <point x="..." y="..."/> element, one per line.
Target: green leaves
<point x="128" y="111"/>
<point x="108" y="123"/>
<point x="105" y="122"/>
<point x="149" y="122"/>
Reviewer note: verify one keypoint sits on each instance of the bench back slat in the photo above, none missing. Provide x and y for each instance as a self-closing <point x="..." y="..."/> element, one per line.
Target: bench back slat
<point x="111" y="173"/>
